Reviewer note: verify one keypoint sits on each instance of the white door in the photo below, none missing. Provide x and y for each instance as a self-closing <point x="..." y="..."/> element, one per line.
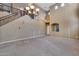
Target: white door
<point x="48" y="30"/>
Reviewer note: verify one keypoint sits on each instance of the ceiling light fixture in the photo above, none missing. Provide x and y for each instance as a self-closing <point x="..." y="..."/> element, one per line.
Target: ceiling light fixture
<point x="32" y="6"/>
<point x="29" y="12"/>
<point x="32" y="11"/>
<point x="62" y="5"/>
<point x="27" y="8"/>
<point x="37" y="9"/>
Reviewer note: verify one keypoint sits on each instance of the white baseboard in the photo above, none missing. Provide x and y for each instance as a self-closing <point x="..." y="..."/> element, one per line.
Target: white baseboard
<point x="32" y="37"/>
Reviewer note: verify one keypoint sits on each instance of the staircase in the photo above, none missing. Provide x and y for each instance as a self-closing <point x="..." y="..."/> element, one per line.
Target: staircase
<point x="3" y="13"/>
<point x="14" y="13"/>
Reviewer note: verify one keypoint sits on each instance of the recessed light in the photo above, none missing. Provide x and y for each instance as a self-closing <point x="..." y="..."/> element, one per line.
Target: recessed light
<point x="62" y="4"/>
<point x="56" y="7"/>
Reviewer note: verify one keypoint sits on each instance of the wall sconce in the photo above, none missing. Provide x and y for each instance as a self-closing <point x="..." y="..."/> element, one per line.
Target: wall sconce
<point x="48" y="13"/>
<point x="32" y="11"/>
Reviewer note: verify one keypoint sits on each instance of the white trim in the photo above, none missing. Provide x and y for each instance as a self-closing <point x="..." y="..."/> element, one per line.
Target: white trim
<point x="32" y="37"/>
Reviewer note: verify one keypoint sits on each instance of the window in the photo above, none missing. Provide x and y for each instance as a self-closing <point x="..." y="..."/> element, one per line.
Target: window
<point x="55" y="27"/>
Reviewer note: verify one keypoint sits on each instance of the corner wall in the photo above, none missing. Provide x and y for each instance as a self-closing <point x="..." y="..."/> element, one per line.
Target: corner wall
<point x="67" y="19"/>
<point x="23" y="27"/>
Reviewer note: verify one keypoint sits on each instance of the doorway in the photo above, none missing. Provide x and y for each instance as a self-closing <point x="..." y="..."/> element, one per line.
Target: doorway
<point x="47" y="29"/>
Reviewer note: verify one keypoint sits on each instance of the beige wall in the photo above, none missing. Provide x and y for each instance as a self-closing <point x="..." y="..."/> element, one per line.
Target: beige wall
<point x="67" y="19"/>
<point x="23" y="27"/>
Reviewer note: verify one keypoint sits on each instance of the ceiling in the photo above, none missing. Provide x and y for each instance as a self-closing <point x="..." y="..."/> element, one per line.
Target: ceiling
<point x="45" y="6"/>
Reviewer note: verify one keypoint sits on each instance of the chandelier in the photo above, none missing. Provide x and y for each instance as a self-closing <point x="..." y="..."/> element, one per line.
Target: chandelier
<point x="32" y="11"/>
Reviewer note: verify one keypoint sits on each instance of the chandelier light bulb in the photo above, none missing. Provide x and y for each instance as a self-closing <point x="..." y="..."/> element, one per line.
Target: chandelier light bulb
<point x="29" y="12"/>
<point x="27" y="8"/>
<point x="37" y="9"/>
<point x="32" y="6"/>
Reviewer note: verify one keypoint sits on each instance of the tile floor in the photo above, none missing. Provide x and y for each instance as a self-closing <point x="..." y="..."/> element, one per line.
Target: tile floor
<point x="44" y="46"/>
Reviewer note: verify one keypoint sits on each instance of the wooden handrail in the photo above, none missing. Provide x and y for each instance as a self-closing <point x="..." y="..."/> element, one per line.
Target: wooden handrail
<point x="13" y="13"/>
<point x="5" y="17"/>
<point x="10" y="6"/>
